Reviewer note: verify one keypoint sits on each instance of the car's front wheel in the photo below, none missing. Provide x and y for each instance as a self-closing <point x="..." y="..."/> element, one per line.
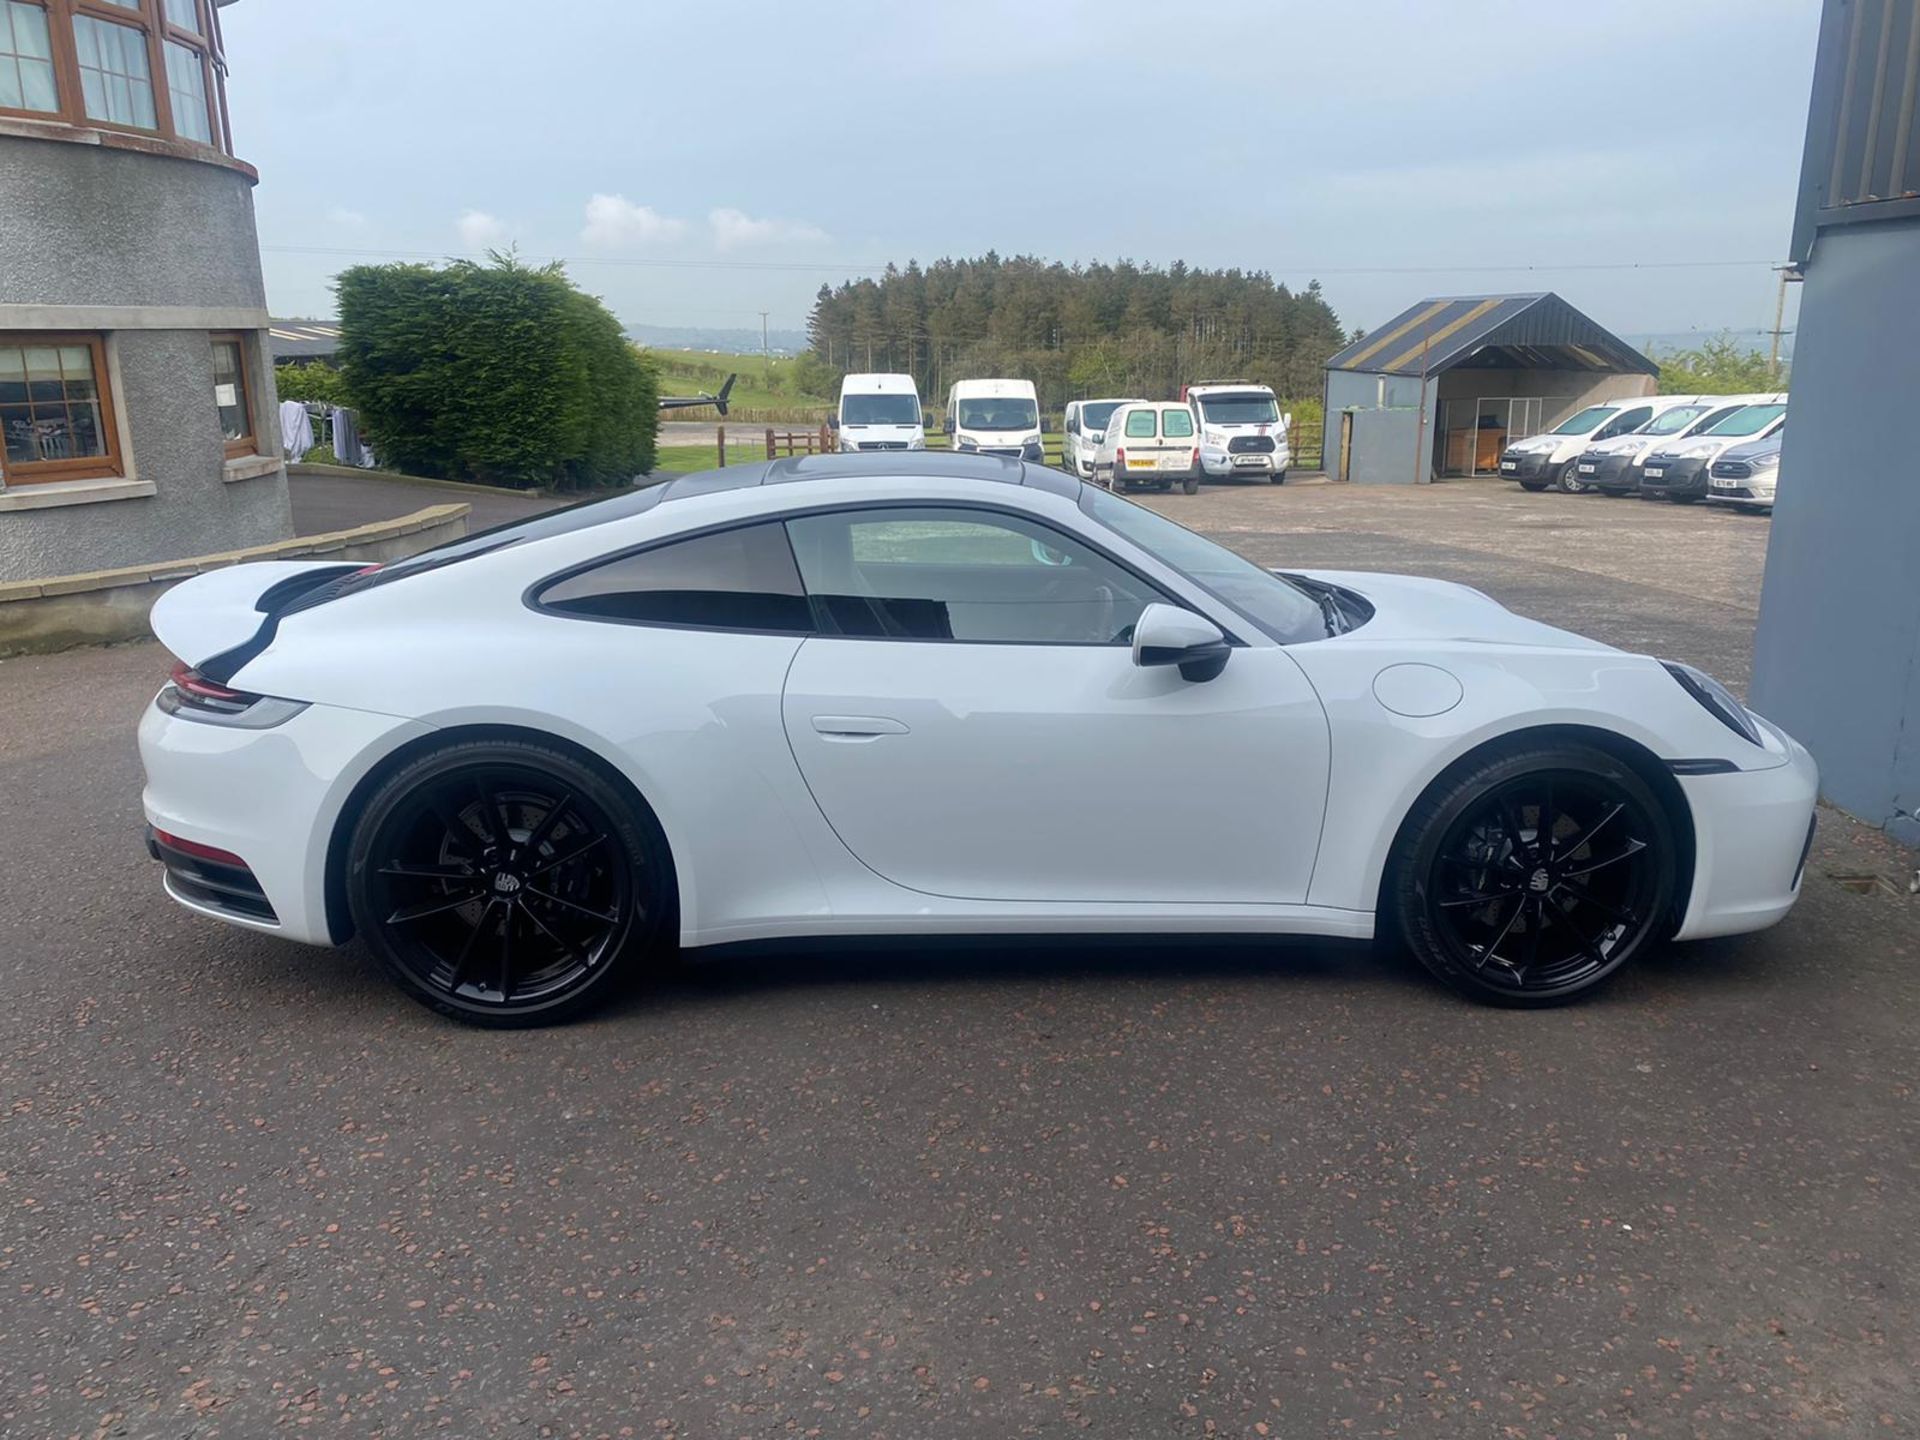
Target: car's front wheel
<point x="506" y="883"/>
<point x="1569" y="480"/>
<point x="1531" y="877"/>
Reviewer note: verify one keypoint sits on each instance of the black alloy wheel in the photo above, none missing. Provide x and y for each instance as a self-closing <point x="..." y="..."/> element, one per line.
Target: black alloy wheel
<point x="1536" y="876"/>
<point x="506" y="884"/>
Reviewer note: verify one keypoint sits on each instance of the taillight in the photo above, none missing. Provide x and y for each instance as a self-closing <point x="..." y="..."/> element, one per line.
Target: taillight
<point x="192" y="696"/>
<point x="1193" y="460"/>
<point x="1120" y="459"/>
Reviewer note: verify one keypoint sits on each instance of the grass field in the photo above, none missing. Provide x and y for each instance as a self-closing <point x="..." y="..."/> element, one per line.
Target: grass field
<point x="696" y="372"/>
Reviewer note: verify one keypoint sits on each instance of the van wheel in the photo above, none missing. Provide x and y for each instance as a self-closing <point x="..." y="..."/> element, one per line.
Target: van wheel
<point x="1190" y="485"/>
<point x="1536" y="486"/>
<point x="1119" y="484"/>
<point x="1279" y="477"/>
<point x="1569" y="479"/>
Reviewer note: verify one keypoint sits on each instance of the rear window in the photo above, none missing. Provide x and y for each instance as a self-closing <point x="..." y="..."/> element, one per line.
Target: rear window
<point x="1139" y="425"/>
<point x="1176" y="424"/>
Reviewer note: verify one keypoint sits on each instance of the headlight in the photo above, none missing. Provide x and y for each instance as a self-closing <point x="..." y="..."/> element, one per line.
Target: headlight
<point x="1765" y="462"/>
<point x="964" y="442"/>
<point x="1716" y="698"/>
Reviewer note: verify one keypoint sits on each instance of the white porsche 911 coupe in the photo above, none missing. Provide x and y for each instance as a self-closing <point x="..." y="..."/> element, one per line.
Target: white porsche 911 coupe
<point x="924" y="693"/>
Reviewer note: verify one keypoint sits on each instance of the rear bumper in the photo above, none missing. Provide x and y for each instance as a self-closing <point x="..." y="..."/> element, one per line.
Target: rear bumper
<point x="269" y="797"/>
<point x="1751" y="833"/>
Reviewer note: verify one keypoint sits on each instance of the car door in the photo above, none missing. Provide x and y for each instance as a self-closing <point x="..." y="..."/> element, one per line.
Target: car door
<point x="970" y="721"/>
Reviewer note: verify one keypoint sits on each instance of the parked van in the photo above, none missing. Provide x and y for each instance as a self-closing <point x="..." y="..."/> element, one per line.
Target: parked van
<point x="1150" y="442"/>
<point x="1748" y="475"/>
<point x="1680" y="472"/>
<point x="879" y="412"/>
<point x="1550" y="459"/>
<point x="1671" y="415"/>
<point x="1242" y="431"/>
<point x="1616" y="463"/>
<point x="1084" y="426"/>
<point x="995" y="417"/>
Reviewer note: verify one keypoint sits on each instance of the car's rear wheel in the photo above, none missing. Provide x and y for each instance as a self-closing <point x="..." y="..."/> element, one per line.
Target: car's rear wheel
<point x="1534" y="485"/>
<point x="506" y="883"/>
<point x="1190" y="485"/>
<point x="1533" y="876"/>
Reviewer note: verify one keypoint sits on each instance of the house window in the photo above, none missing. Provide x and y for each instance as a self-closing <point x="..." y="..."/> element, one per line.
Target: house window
<point x="230" y="394"/>
<point x="154" y="65"/>
<point x="26" y="59"/>
<point x="114" y="77"/>
<point x="187" y="93"/>
<point x="56" y="416"/>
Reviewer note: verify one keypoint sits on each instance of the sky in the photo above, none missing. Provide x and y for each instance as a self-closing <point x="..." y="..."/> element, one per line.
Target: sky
<point x="696" y="164"/>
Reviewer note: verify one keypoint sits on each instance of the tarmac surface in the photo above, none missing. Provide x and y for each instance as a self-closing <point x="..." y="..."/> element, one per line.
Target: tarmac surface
<point x="1287" y="1191"/>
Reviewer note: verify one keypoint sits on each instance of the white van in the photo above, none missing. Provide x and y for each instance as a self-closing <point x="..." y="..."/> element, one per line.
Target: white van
<point x="1670" y="416"/>
<point x="1242" y="431"/>
<point x="1682" y="472"/>
<point x="1554" y="457"/>
<point x="1150" y="442"/>
<point x="1083" y="427"/>
<point x="879" y="412"/>
<point x="996" y="417"/>
<point x="1615" y="464"/>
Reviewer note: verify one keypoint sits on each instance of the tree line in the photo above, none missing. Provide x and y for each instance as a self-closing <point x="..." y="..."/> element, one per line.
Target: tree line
<point x="1076" y="331"/>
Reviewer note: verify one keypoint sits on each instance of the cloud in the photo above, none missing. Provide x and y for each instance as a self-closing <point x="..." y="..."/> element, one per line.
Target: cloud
<point x="481" y="231"/>
<point x="346" y="219"/>
<point x="615" y="222"/>
<point x="737" y="230"/>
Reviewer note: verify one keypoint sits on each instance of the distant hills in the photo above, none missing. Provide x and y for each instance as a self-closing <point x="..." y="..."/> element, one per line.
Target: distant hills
<point x="1665" y="343"/>
<point x="726" y="342"/>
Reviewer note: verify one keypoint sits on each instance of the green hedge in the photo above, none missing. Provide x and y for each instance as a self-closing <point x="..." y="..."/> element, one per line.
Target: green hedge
<point x="500" y="373"/>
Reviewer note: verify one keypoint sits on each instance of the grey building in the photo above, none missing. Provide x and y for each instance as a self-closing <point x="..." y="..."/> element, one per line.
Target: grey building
<point x="1442" y="387"/>
<point x="1837" y="656"/>
<point x="137" y="406"/>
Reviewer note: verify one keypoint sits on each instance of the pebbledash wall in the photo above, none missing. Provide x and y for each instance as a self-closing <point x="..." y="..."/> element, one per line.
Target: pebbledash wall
<point x="129" y="276"/>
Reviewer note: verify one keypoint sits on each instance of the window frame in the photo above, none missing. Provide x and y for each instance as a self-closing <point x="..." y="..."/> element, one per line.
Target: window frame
<point x="1147" y="412"/>
<point x="149" y="17"/>
<point x="83" y="467"/>
<point x="248" y="444"/>
<point x="531" y="596"/>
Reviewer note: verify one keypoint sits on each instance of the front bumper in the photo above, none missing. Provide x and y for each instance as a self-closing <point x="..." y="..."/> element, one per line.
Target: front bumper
<point x="1527" y="465"/>
<point x="1676" y="477"/>
<point x="1222" y="463"/>
<point x="1610" y="472"/>
<point x="271" y="797"/>
<point x="1751" y="832"/>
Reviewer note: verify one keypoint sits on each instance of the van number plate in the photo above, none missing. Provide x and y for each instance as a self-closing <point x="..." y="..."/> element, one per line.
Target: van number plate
<point x="1655" y="472"/>
<point x="1586" y="468"/>
<point x="1509" y="464"/>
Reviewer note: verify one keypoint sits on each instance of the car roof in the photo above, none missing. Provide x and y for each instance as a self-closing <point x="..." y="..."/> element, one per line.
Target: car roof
<point x="880" y="381"/>
<point x="889" y="465"/>
<point x="994" y="389"/>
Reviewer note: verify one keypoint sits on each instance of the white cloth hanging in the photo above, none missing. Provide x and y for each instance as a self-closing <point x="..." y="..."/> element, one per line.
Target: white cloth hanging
<point x="296" y="430"/>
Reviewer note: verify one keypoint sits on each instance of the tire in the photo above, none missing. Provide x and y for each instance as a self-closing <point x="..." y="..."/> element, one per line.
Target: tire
<point x="1278" y="477"/>
<point x="1467" y="839"/>
<point x="1536" y="486"/>
<point x="1190" y="485"/>
<point x="1684" y="499"/>
<point x="1568" y="480"/>
<point x="1120" y="485"/>
<point x="505" y="883"/>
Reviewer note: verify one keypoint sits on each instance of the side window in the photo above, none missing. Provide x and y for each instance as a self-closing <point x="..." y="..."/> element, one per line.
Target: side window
<point x="1177" y="423"/>
<point x="741" y="579"/>
<point x="924" y="573"/>
<point x="1073" y="420"/>
<point x="1140" y="424"/>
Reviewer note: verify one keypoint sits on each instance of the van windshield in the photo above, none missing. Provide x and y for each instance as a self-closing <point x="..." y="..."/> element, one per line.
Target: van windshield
<point x="1750" y="420"/>
<point x="1672" y="422"/>
<point x="1094" y="416"/>
<point x="1586" y="421"/>
<point x="998" y="412"/>
<point x="1239" y="407"/>
<point x="872" y="409"/>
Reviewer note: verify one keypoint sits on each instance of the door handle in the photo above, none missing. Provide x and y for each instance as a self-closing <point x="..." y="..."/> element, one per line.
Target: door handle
<point x="857" y="727"/>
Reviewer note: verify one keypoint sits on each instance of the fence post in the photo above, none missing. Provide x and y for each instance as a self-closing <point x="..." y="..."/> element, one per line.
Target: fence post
<point x="720" y="439"/>
<point x="770" y="452"/>
<point x="824" y="448"/>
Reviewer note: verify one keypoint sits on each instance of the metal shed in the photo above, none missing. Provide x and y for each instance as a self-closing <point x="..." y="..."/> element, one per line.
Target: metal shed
<point x="1836" y="659"/>
<point x="299" y="341"/>
<point x="1441" y="388"/>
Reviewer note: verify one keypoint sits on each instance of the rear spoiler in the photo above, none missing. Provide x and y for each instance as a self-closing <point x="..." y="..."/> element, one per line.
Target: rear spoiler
<point x="218" y="621"/>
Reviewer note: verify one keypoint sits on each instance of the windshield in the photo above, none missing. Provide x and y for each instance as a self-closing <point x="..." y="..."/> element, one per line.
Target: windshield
<point x="1586" y="421"/>
<point x="1750" y="420"/>
<point x="1672" y="422"/>
<point x="1281" y="609"/>
<point x="1239" y="407"/>
<point x="872" y="409"/>
<point x="1095" y="416"/>
<point x="998" y="412"/>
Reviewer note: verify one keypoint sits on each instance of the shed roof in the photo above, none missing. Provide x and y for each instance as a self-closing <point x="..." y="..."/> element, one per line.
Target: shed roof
<point x="1539" y="331"/>
<point x="303" y="339"/>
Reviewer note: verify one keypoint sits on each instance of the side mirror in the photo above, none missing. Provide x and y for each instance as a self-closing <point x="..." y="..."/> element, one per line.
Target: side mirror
<point x="1286" y="421"/>
<point x="833" y="422"/>
<point x="1046" y="425"/>
<point x="1168" y="635"/>
<point x="947" y="424"/>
